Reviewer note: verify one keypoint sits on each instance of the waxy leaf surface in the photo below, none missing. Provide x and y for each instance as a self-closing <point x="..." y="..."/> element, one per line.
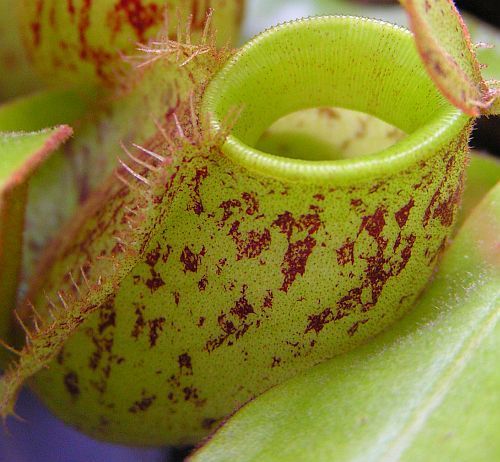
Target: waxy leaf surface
<point x="427" y="389"/>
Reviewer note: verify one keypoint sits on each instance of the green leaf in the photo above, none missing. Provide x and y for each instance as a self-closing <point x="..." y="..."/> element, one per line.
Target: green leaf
<point x="21" y="155"/>
<point x="50" y="196"/>
<point x="427" y="389"/>
<point x="445" y="46"/>
<point x="483" y="173"/>
<point x="46" y="108"/>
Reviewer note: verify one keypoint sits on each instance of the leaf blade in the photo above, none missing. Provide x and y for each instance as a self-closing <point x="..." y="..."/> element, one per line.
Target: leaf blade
<point x="21" y="155"/>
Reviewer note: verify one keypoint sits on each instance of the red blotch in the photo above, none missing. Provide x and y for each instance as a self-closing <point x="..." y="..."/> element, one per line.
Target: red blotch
<point x="251" y="202"/>
<point x="36" y="26"/>
<point x="227" y="206"/>
<point x="268" y="300"/>
<point x="155" y="282"/>
<point x="402" y="214"/>
<point x="143" y="404"/>
<point x="374" y="224"/>
<point x="153" y="256"/>
<point x="242" y="308"/>
<point x="191" y="260"/>
<point x="276" y="361"/>
<point x="202" y="283"/>
<point x="250" y="244"/>
<point x="295" y="260"/>
<point x="208" y="423"/>
<point x="139" y="321"/>
<point x="184" y="361"/>
<point x="196" y="205"/>
<point x="71" y="7"/>
<point x="298" y="252"/>
<point x="71" y="384"/>
<point x="138" y="16"/>
<point x="345" y="254"/>
<point x="316" y="322"/>
<point x="155" y="327"/>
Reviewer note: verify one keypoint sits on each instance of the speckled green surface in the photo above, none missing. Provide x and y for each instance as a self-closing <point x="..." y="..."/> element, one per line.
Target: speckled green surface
<point x="235" y="269"/>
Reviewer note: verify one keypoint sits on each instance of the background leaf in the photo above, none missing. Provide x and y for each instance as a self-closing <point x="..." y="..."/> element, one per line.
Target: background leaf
<point x="21" y="154"/>
<point x="427" y="389"/>
<point x="51" y="194"/>
<point x="46" y="108"/>
<point x="483" y="173"/>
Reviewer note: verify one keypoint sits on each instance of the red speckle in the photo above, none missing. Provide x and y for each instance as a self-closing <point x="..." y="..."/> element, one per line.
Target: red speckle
<point x="177" y="297"/>
<point x="351" y="300"/>
<point x="450" y="164"/>
<point x="201" y="321"/>
<point x="242" y="309"/>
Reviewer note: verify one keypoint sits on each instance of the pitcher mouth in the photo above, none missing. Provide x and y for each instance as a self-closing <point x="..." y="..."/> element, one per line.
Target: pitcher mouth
<point x="354" y="63"/>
